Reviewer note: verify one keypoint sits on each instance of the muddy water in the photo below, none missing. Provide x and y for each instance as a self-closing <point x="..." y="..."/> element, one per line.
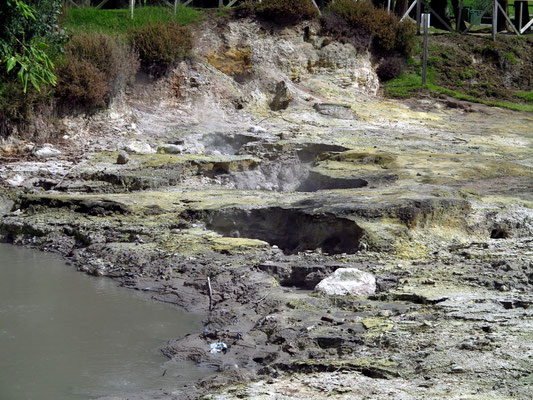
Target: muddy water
<point x="66" y="335"/>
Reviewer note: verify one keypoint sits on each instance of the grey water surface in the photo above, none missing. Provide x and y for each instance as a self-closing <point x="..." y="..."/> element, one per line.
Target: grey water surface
<point x="66" y="335"/>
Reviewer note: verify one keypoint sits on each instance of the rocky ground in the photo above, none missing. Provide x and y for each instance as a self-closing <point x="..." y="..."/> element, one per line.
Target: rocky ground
<point x="268" y="163"/>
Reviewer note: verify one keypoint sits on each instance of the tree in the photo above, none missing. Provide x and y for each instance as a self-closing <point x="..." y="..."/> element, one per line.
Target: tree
<point x="25" y="27"/>
<point x="401" y="7"/>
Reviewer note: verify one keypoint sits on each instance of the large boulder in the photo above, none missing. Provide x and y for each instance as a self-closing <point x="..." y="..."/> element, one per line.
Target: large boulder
<point x="44" y="152"/>
<point x="348" y="281"/>
<point x="136" y="147"/>
<point x="170" y="148"/>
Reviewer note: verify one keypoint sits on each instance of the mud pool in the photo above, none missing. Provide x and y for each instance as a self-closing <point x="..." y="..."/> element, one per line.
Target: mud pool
<point x="65" y="335"/>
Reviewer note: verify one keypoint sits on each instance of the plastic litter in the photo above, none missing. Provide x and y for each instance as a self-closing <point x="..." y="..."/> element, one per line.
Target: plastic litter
<point x="218" y="347"/>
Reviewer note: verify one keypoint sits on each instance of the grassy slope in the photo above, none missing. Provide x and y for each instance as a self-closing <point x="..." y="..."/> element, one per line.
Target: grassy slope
<point x="119" y="21"/>
<point x="451" y="72"/>
<point x="408" y="84"/>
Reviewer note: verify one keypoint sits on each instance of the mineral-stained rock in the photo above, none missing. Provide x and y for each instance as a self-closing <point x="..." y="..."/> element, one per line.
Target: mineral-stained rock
<point x="170" y="148"/>
<point x="340" y="111"/>
<point x="282" y="98"/>
<point x="348" y="281"/>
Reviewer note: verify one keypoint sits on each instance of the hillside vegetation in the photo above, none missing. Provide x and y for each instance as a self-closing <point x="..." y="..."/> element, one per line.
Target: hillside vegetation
<point x="96" y="54"/>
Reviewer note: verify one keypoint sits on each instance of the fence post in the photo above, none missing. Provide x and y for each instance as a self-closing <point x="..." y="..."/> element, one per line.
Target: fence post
<point x="425" y="23"/>
<point x="494" y="20"/>
<point x="418" y="11"/>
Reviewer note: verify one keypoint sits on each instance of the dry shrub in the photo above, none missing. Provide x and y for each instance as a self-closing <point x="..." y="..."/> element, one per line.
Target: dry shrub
<point x="81" y="83"/>
<point x="285" y="11"/>
<point x="389" y="68"/>
<point x="96" y="68"/>
<point x="389" y="35"/>
<point x="359" y="37"/>
<point x="161" y="45"/>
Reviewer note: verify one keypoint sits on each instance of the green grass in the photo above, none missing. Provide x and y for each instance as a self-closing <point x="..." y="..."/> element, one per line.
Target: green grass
<point x="527" y="96"/>
<point x="403" y="86"/>
<point x="119" y="21"/>
<point x="408" y="83"/>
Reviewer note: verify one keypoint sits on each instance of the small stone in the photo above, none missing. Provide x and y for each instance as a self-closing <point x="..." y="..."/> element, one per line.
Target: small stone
<point x="123" y="158"/>
<point x="256" y="129"/>
<point x="348" y="281"/>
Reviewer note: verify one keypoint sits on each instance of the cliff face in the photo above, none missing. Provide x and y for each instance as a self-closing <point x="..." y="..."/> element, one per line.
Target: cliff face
<point x="266" y="163"/>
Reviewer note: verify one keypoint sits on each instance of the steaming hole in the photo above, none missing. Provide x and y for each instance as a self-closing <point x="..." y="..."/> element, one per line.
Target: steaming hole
<point x="226" y="144"/>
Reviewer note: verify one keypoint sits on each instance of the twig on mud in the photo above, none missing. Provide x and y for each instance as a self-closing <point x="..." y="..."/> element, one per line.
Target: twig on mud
<point x="164" y="301"/>
<point x="264" y="119"/>
<point x="64" y="176"/>
<point x="210" y="294"/>
<point x="261" y="299"/>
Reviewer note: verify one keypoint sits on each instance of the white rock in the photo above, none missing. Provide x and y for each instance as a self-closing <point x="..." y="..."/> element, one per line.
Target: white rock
<point x="138" y="148"/>
<point x="17" y="180"/>
<point x="46" y="152"/>
<point x="256" y="129"/>
<point x="348" y="281"/>
<point x="170" y="149"/>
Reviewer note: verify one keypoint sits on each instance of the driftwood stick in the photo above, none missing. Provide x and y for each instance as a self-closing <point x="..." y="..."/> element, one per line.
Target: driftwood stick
<point x="261" y="299"/>
<point x="210" y="294"/>
<point x="64" y="176"/>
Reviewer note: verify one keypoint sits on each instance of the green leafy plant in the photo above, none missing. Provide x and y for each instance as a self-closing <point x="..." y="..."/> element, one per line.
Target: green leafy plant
<point x="23" y="27"/>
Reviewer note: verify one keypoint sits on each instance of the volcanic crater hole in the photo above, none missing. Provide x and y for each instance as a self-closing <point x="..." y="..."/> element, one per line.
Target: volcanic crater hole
<point x="292" y="230"/>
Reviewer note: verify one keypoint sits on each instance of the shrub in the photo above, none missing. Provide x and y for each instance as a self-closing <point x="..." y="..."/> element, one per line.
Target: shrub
<point x="96" y="68"/>
<point x="161" y="45"/>
<point x="388" y="34"/>
<point x="359" y="37"/>
<point x="390" y="68"/>
<point x="285" y="11"/>
<point x="405" y="38"/>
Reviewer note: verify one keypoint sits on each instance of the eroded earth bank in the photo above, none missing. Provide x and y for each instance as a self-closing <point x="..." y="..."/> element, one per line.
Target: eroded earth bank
<point x="267" y="163"/>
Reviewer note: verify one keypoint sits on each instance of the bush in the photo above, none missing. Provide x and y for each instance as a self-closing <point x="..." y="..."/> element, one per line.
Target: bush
<point x="285" y="11"/>
<point x="388" y="34"/>
<point x="405" y="38"/>
<point x="96" y="68"/>
<point x="161" y="45"/>
<point x="390" y="68"/>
